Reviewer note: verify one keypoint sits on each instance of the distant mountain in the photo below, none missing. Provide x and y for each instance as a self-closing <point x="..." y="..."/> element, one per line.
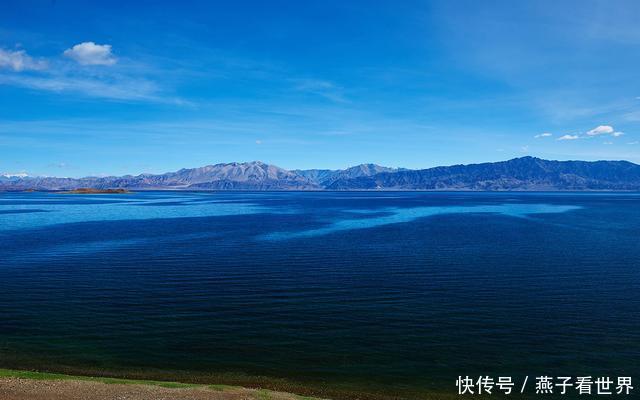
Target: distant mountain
<point x="317" y="176"/>
<point x="325" y="177"/>
<point x="243" y="176"/>
<point x="526" y="173"/>
<point x="231" y="176"/>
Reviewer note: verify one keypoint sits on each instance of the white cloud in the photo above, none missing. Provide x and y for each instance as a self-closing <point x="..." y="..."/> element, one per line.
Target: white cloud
<point x="601" y="130"/>
<point x="524" y="149"/>
<point x="632" y="143"/>
<point x="89" y="53"/>
<point x="607" y="142"/>
<point x="569" y="137"/>
<point x="542" y="135"/>
<point x="19" y="60"/>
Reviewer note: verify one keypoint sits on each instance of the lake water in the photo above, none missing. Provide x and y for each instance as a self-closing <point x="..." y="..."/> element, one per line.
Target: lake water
<point x="386" y="293"/>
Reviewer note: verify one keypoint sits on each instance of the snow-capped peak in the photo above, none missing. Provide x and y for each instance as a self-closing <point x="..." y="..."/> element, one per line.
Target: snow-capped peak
<point x="16" y="175"/>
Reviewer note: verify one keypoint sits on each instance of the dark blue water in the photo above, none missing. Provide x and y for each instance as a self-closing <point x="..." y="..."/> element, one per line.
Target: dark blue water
<point x="395" y="293"/>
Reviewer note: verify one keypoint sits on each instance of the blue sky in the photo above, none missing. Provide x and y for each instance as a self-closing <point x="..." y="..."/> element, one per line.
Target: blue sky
<point x="119" y="87"/>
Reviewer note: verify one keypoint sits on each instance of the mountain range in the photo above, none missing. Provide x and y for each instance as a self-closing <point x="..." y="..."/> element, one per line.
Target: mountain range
<point x="524" y="174"/>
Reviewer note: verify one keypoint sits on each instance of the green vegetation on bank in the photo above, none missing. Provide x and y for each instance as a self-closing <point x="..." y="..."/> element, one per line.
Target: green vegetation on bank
<point x="254" y="390"/>
<point x="11" y="373"/>
<point x="260" y="394"/>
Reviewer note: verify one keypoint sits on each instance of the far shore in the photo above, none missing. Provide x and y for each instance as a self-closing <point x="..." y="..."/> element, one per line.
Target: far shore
<point x="96" y="191"/>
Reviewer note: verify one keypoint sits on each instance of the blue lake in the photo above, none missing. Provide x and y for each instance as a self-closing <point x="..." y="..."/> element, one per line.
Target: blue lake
<point x="384" y="293"/>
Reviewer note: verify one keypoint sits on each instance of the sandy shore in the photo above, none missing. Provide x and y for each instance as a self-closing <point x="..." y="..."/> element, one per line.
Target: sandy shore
<point x="12" y="388"/>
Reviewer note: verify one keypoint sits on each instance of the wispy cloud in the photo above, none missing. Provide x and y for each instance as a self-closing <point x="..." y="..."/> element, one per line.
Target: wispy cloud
<point x="326" y="89"/>
<point x="127" y="82"/>
<point x="89" y="53"/>
<point x="59" y="165"/>
<point x="114" y="87"/>
<point x="543" y="135"/>
<point x="633" y="116"/>
<point x="19" y="60"/>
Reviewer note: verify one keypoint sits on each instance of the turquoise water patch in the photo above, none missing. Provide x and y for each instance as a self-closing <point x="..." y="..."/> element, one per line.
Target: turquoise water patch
<point x="402" y="215"/>
<point x="22" y="216"/>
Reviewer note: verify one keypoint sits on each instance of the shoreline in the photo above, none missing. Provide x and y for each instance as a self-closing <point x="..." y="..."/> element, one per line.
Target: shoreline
<point x="16" y="384"/>
<point x="231" y="385"/>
